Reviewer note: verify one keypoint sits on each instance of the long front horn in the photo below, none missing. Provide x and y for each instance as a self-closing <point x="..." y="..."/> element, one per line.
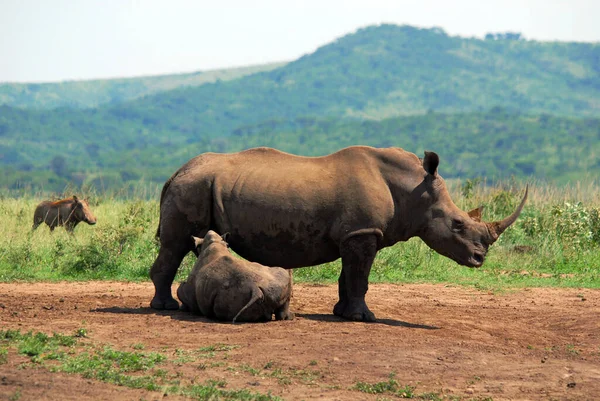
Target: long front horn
<point x="498" y="227"/>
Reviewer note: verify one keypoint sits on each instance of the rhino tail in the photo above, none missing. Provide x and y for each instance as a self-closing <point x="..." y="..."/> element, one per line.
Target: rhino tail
<point x="257" y="295"/>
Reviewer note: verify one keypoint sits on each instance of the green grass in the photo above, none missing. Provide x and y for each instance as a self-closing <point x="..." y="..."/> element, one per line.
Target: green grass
<point x="389" y="386"/>
<point x="555" y="243"/>
<point x="139" y="370"/>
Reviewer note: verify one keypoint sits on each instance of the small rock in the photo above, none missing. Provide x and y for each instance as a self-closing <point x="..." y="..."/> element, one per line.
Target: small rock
<point x="571" y="384"/>
<point x="544" y="359"/>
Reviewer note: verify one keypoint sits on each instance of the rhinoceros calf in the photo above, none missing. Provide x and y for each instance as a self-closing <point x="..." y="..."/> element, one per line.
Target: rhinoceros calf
<point x="224" y="287"/>
<point x="292" y="211"/>
<point x="65" y="212"/>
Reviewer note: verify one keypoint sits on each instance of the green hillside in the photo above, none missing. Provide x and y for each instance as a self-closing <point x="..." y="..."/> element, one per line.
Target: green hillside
<point x="493" y="144"/>
<point x="92" y="93"/>
<point x="386" y="71"/>
<point x="383" y="85"/>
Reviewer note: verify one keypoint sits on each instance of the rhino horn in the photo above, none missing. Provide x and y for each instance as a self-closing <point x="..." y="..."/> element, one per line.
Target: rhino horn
<point x="498" y="227"/>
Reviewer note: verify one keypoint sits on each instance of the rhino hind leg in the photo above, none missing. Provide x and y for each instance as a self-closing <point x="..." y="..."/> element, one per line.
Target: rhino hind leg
<point x="183" y="293"/>
<point x="357" y="254"/>
<point x="283" y="312"/>
<point x="257" y="296"/>
<point x="163" y="273"/>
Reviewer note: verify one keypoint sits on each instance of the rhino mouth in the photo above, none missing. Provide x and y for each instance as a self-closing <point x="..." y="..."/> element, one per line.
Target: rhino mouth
<point x="475" y="260"/>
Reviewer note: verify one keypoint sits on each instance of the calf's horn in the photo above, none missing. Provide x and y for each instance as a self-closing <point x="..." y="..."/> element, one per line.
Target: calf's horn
<point x="498" y="227"/>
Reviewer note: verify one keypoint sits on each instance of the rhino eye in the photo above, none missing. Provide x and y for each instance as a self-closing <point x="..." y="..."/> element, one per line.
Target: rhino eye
<point x="458" y="225"/>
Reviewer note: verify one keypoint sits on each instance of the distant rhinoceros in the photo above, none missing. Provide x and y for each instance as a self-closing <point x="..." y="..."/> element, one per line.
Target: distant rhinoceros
<point x="65" y="212"/>
<point x="225" y="287"/>
<point x="292" y="211"/>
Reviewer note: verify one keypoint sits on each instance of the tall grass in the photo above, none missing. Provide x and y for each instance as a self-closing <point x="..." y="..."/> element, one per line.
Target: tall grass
<point x="555" y="242"/>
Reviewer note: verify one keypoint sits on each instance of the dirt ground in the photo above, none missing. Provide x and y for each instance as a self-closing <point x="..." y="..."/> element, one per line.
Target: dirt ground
<point x="456" y="342"/>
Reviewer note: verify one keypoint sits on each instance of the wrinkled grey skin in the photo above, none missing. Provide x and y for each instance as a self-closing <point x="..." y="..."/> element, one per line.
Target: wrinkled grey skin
<point x="223" y="287"/>
<point x="66" y="212"/>
<point x="292" y="211"/>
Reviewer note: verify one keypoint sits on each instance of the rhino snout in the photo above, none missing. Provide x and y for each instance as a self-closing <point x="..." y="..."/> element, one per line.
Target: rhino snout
<point x="476" y="260"/>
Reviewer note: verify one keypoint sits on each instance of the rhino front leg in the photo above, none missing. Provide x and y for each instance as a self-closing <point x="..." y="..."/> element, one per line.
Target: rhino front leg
<point x="358" y="254"/>
<point x="163" y="273"/>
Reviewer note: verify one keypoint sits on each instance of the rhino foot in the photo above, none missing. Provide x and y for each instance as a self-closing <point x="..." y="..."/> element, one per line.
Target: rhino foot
<point x="357" y="311"/>
<point x="164" y="303"/>
<point x="287" y="315"/>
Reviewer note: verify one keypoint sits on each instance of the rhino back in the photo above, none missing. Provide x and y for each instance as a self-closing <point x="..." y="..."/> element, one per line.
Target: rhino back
<point x="223" y="287"/>
<point x="286" y="210"/>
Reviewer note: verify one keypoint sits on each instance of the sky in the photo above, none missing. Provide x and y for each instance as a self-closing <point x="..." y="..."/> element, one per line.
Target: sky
<point x="58" y="40"/>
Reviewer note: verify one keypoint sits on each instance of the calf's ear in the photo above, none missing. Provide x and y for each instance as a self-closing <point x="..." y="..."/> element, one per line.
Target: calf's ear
<point x="225" y="237"/>
<point x="431" y="162"/>
<point x="197" y="241"/>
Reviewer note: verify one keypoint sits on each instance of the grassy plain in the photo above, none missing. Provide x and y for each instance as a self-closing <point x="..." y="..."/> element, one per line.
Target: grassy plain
<point x="555" y="242"/>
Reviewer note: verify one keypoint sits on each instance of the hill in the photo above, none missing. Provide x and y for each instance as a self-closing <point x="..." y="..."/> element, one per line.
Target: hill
<point x="383" y="85"/>
<point x="495" y="144"/>
<point x="93" y="93"/>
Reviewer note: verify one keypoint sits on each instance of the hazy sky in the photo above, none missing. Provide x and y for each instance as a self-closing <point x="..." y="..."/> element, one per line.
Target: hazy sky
<point x="56" y="40"/>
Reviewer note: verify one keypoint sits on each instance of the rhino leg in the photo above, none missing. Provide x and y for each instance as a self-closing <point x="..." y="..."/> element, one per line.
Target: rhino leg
<point x="163" y="273"/>
<point x="283" y="312"/>
<point x="357" y="254"/>
<point x="184" y="292"/>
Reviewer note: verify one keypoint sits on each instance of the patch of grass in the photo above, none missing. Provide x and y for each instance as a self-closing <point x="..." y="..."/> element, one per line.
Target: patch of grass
<point x="15" y="396"/>
<point x="250" y="369"/>
<point x="94" y="366"/>
<point x="390" y="386"/>
<point x="3" y="355"/>
<point x="209" y="391"/>
<point x="62" y="353"/>
<point x="555" y="243"/>
<point x="218" y="348"/>
<point x="572" y="350"/>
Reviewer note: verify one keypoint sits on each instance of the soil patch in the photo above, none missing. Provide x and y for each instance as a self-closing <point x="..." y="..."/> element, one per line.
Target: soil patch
<point x="444" y="340"/>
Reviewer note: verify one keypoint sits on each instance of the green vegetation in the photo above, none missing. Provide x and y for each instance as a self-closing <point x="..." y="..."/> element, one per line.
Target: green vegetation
<point x="495" y="108"/>
<point x="93" y="93"/>
<point x="555" y="242"/>
<point x="494" y="144"/>
<point x="390" y="386"/>
<point x="62" y="353"/>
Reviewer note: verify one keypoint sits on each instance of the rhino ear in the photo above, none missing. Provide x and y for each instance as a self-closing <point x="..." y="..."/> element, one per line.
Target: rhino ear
<point x="476" y="214"/>
<point x="197" y="241"/>
<point x="431" y="162"/>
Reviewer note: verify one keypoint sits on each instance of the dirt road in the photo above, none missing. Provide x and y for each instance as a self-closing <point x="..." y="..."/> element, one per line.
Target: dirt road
<point x="445" y="342"/>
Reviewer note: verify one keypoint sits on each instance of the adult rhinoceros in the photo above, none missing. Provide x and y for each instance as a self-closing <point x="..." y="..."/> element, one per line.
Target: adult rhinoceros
<point x="293" y="211"/>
